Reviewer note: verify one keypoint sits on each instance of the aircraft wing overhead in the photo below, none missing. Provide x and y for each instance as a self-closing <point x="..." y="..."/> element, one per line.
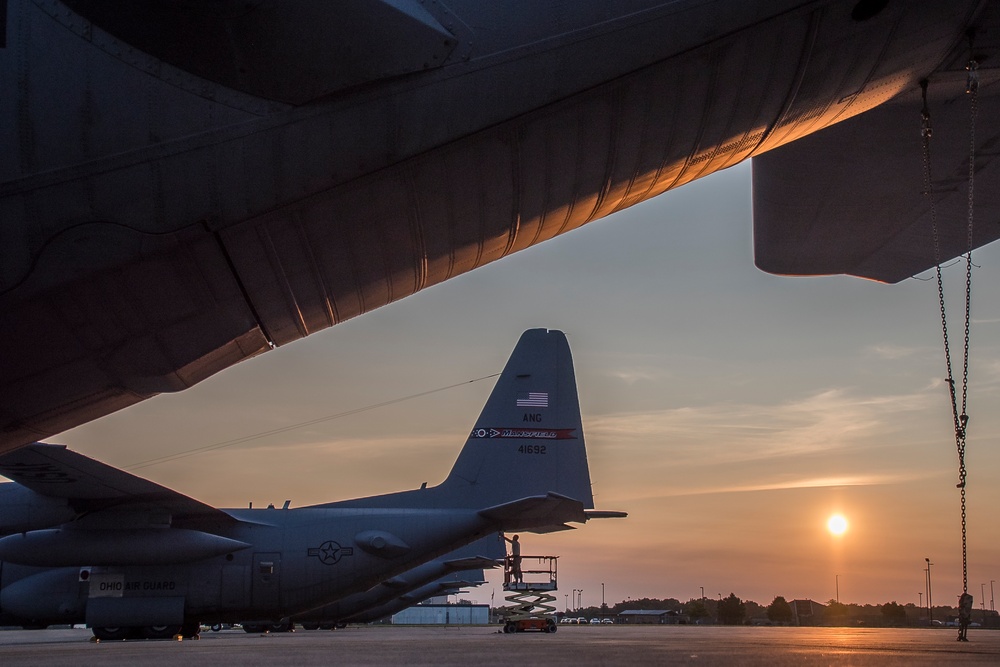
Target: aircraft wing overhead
<point x="849" y="199"/>
<point x="185" y="185"/>
<point x="89" y="485"/>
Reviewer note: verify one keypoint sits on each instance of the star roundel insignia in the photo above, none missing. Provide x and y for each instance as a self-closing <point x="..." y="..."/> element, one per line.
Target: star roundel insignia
<point x="330" y="552"/>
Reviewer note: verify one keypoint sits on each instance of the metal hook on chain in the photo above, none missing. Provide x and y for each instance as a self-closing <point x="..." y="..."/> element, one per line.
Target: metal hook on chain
<point x="925" y="115"/>
<point x="972" y="79"/>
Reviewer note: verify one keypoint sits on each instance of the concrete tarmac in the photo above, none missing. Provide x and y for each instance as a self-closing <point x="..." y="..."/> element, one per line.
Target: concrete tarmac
<point x="478" y="645"/>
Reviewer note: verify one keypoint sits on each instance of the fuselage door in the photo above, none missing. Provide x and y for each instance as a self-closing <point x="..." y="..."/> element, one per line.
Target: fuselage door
<point x="266" y="580"/>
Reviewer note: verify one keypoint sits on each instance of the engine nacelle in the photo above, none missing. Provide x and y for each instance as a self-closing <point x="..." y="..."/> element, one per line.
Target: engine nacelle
<point x="23" y="509"/>
<point x="46" y="598"/>
<point x="74" y="546"/>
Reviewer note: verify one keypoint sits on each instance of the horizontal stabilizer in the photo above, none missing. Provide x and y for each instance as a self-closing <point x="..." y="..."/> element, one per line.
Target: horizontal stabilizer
<point x="552" y="529"/>
<point x="605" y="514"/>
<point x="473" y="563"/>
<point x="536" y="513"/>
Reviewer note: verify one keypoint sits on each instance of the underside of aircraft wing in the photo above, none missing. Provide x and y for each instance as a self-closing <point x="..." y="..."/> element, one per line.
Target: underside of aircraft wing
<point x="90" y="486"/>
<point x="850" y="199"/>
<point x="188" y="185"/>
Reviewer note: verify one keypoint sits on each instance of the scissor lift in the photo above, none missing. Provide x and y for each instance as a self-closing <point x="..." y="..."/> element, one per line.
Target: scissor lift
<point x="530" y="596"/>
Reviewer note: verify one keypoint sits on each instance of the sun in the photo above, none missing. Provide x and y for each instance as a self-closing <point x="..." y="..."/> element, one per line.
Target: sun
<point x="837" y="524"/>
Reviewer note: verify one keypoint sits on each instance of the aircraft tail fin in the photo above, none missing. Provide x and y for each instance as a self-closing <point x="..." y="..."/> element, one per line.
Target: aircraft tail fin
<point x="527" y="443"/>
<point x="528" y="440"/>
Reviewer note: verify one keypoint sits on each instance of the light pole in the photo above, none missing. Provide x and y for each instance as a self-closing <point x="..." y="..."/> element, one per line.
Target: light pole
<point x="602" y="600"/>
<point x="838" y="587"/>
<point x="992" y="608"/>
<point x="567" y="601"/>
<point x="579" y="598"/>
<point x="574" y="598"/>
<point x="702" y="593"/>
<point x="982" y="600"/>
<point x="930" y="603"/>
<point x="921" y="605"/>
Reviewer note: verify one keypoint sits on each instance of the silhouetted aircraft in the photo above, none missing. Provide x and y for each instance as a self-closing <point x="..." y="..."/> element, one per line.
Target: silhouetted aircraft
<point x="184" y="185"/>
<point x="86" y="542"/>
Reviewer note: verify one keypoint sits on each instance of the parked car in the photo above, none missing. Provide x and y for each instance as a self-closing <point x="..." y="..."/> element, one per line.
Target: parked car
<point x="595" y="621"/>
<point x="607" y="621"/>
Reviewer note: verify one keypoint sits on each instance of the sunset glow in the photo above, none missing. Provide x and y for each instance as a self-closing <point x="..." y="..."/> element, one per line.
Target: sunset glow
<point x="837" y="524"/>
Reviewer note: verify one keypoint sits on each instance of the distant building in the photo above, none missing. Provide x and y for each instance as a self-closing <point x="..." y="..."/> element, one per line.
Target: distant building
<point x="807" y="612"/>
<point x="652" y="617"/>
<point x="443" y="614"/>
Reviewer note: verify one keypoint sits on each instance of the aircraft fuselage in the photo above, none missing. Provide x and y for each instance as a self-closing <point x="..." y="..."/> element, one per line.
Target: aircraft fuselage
<point x="300" y="559"/>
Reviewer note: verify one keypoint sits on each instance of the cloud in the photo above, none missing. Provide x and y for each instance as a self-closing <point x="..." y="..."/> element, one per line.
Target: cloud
<point x="892" y="352"/>
<point x="883" y="479"/>
<point x="823" y="422"/>
<point x="632" y="375"/>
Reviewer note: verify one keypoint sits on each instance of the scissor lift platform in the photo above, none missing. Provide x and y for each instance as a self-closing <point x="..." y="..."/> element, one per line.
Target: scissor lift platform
<point x="530" y="596"/>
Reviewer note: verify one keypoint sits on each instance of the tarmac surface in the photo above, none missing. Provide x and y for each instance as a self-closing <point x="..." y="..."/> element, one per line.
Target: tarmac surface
<point x="480" y="645"/>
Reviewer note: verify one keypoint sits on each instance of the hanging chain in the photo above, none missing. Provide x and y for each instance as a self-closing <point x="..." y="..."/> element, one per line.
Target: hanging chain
<point x="960" y="418"/>
<point x="972" y="88"/>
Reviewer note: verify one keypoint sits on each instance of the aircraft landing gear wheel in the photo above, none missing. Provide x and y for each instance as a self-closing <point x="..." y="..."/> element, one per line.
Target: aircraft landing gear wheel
<point x="191" y="630"/>
<point x="161" y="631"/>
<point x="309" y="626"/>
<point x="252" y="628"/>
<point x="508" y="628"/>
<point x="551" y="627"/>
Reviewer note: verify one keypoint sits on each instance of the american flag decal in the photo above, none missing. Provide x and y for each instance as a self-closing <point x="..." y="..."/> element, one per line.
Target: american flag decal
<point x="533" y="399"/>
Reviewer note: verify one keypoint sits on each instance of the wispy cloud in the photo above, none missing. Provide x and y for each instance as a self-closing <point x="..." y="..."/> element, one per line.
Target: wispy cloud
<point x="892" y="352"/>
<point x="823" y="422"/>
<point x="798" y="483"/>
<point x="636" y="374"/>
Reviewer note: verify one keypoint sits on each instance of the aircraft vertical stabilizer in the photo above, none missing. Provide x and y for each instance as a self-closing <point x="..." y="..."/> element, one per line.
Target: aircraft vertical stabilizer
<point x="527" y="443"/>
<point x="529" y="437"/>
